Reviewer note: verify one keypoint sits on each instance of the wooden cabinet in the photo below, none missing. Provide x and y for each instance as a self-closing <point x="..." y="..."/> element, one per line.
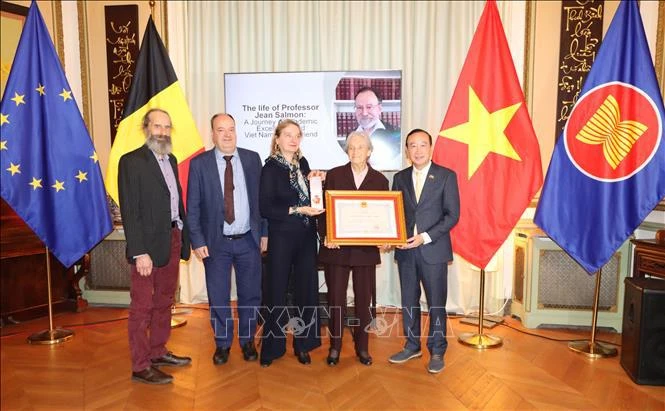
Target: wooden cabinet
<point x="23" y="281"/>
<point x="649" y="256"/>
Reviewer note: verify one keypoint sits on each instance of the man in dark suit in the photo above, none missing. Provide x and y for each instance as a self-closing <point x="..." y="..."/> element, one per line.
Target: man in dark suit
<point x="226" y="229"/>
<point x="153" y="217"/>
<point x="431" y="207"/>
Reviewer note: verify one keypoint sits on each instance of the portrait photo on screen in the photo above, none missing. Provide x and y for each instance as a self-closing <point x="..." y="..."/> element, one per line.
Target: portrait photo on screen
<point x="328" y="105"/>
<point x="370" y="102"/>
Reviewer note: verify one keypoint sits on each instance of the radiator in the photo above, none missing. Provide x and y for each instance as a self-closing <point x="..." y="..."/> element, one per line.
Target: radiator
<point x="109" y="269"/>
<point x="550" y="288"/>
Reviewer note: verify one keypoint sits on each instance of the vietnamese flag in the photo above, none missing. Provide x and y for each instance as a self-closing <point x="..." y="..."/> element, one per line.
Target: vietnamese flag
<point x="487" y="138"/>
<point x="154" y="85"/>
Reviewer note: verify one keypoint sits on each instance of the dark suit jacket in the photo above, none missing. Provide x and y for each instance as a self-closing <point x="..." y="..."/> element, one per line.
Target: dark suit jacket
<point x="205" y="200"/>
<point x="436" y="213"/>
<point x="341" y="178"/>
<point x="277" y="195"/>
<point x="145" y="205"/>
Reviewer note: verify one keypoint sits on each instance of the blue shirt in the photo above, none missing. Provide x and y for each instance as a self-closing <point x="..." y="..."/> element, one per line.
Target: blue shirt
<point x="169" y="177"/>
<point x="240" y="199"/>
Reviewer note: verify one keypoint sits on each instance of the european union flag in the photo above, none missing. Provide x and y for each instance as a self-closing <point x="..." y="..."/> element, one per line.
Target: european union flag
<point x="608" y="168"/>
<point x="50" y="173"/>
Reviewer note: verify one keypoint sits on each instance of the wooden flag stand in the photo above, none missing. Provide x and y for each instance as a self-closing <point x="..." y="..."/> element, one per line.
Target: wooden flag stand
<point x="50" y="336"/>
<point x="591" y="348"/>
<point x="479" y="340"/>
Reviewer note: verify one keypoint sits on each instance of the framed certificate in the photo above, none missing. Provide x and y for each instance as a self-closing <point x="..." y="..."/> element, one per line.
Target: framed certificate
<point x="365" y="217"/>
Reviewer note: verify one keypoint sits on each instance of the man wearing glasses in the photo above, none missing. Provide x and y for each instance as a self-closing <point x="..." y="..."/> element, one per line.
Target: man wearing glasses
<point x="385" y="138"/>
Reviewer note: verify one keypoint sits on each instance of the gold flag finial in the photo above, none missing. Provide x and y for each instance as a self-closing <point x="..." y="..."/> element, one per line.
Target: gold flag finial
<point x="152" y="7"/>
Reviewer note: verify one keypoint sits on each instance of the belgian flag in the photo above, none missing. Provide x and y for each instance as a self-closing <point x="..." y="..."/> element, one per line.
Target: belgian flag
<point x="154" y="85"/>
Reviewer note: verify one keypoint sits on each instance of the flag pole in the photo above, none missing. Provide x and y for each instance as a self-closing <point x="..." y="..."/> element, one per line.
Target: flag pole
<point x="177" y="322"/>
<point x="591" y="348"/>
<point x="50" y="336"/>
<point x="479" y="340"/>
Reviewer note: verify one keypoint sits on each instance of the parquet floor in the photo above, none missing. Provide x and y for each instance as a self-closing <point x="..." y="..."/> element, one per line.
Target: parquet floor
<point x="92" y="371"/>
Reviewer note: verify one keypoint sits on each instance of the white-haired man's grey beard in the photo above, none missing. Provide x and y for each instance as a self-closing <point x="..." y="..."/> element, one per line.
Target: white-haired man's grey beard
<point x="160" y="144"/>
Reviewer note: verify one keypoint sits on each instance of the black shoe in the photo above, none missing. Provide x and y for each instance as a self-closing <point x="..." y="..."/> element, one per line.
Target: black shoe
<point x="265" y="363"/>
<point x="364" y="358"/>
<point x="303" y="358"/>
<point x="171" y="359"/>
<point x="333" y="357"/>
<point x="249" y="351"/>
<point x="221" y="356"/>
<point x="152" y="375"/>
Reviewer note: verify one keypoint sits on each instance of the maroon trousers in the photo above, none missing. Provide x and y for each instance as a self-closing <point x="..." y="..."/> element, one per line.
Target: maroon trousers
<point x="152" y="296"/>
<point x="337" y="280"/>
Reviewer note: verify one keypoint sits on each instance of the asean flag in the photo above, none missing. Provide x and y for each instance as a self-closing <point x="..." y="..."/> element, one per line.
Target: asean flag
<point x="488" y="139"/>
<point x="608" y="168"/>
<point x="154" y="85"/>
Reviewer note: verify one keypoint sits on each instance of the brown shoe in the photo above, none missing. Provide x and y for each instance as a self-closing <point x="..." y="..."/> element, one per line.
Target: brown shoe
<point x="152" y="375"/>
<point x="171" y="359"/>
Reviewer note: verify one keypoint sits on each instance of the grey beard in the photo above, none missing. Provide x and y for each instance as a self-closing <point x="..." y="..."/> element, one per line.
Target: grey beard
<point x="369" y="124"/>
<point x="162" y="147"/>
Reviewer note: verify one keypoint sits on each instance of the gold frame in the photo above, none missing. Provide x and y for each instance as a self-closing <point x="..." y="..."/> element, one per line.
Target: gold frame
<point x="395" y="197"/>
<point x="51" y="12"/>
<point x="10" y="11"/>
<point x="660" y="64"/>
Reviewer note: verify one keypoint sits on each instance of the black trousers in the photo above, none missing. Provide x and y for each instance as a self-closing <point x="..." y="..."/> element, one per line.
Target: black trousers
<point x="293" y="250"/>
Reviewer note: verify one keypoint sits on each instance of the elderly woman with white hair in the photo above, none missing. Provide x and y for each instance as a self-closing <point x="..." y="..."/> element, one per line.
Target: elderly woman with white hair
<point x="339" y="261"/>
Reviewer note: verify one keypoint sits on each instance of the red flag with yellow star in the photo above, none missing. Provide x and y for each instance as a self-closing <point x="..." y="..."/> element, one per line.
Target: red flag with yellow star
<point x="488" y="139"/>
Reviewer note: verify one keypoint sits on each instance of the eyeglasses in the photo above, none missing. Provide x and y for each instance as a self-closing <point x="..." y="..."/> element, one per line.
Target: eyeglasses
<point x="368" y="107"/>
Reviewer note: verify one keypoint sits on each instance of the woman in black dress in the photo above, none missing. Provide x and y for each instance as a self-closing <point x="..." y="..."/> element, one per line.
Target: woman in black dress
<point x="284" y="200"/>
